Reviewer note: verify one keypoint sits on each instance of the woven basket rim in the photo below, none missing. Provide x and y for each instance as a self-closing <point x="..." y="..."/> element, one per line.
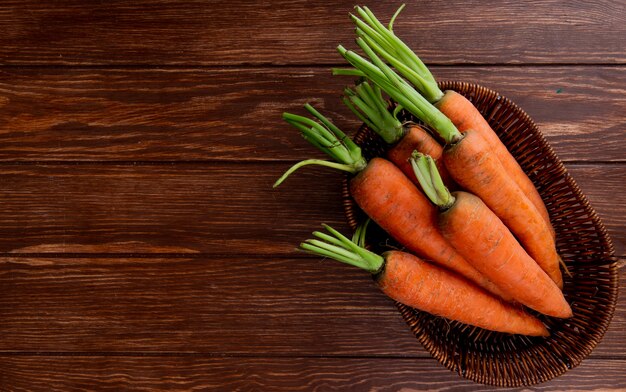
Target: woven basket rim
<point x="505" y="377"/>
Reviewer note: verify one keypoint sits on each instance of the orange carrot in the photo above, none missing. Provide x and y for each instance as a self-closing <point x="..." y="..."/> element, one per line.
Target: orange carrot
<point x="480" y="172"/>
<point x="465" y="116"/>
<point x="418" y="284"/>
<point x="387" y="196"/>
<point x="416" y="138"/>
<point x="368" y="104"/>
<point x="481" y="237"/>
<point x="457" y="108"/>
<point x="468" y="165"/>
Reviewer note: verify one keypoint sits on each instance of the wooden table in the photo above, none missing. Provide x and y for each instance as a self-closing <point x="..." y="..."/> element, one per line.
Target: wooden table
<point x="142" y="246"/>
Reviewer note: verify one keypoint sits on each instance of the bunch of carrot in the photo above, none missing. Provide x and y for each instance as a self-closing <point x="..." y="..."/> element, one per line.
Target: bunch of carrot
<point x="476" y="254"/>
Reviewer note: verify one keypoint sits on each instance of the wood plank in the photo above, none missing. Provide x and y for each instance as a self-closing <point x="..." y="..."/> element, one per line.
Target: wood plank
<point x="219" y="208"/>
<point x="235" y="114"/>
<point x="204" y="305"/>
<point x="299" y="32"/>
<point x="185" y="208"/>
<point x="602" y="186"/>
<point x="210" y="305"/>
<point x="272" y="374"/>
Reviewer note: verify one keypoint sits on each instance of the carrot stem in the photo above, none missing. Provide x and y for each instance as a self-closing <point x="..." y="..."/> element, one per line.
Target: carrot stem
<point x="363" y="116"/>
<point x="329" y="139"/>
<point x="368" y="104"/>
<point x="311" y="248"/>
<point x="334" y="165"/>
<point x="338" y="247"/>
<point x="418" y="81"/>
<point x="400" y="91"/>
<point x="337" y="133"/>
<point x="394" y="50"/>
<point x="359" y="234"/>
<point x="347" y="72"/>
<point x="395" y="15"/>
<point x="429" y="178"/>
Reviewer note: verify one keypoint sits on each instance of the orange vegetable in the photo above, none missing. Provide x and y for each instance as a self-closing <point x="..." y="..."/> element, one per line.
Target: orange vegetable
<point x="387" y="196"/>
<point x="470" y="162"/>
<point x="395" y="204"/>
<point x="368" y="104"/>
<point x="456" y="107"/>
<point x="465" y="116"/>
<point x="417" y="139"/>
<point x="418" y="284"/>
<point x="478" y="170"/>
<point x="481" y="237"/>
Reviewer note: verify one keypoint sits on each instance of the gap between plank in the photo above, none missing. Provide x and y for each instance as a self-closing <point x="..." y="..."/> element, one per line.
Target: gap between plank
<point x="183" y="354"/>
<point x="249" y="161"/>
<point x="218" y="67"/>
<point x="203" y="255"/>
<point x="199" y="255"/>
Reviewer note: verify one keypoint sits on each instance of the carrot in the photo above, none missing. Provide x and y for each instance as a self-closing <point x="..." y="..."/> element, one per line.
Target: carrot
<point x="386" y="195"/>
<point x="481" y="237"/>
<point x="416" y="138"/>
<point x="456" y="107"/>
<point x="465" y="116"/>
<point x="478" y="170"/>
<point x="460" y="158"/>
<point x="418" y="284"/>
<point x="389" y="198"/>
<point x="368" y="104"/>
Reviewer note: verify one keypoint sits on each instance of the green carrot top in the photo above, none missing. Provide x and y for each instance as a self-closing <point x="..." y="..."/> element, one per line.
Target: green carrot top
<point x="386" y="44"/>
<point x="398" y="89"/>
<point x="367" y="103"/>
<point x="360" y="233"/>
<point x="338" y="247"/>
<point x="324" y="135"/>
<point x="429" y="178"/>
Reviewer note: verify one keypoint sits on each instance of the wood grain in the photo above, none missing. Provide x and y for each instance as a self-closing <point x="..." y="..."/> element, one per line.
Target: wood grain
<point x="302" y="32"/>
<point x="219" y="208"/>
<point x="214" y="208"/>
<point x="235" y="114"/>
<point x="141" y="244"/>
<point x="209" y="305"/>
<point x="595" y="182"/>
<point x="75" y="374"/>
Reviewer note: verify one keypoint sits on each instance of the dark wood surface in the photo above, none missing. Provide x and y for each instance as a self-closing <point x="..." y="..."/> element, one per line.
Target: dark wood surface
<point x="305" y="32"/>
<point x="189" y="373"/>
<point x="215" y="208"/>
<point x="233" y="114"/>
<point x="141" y="244"/>
<point x="323" y="310"/>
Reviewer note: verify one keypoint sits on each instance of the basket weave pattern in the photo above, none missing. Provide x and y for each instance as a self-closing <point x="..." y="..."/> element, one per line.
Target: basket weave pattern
<point x="582" y="241"/>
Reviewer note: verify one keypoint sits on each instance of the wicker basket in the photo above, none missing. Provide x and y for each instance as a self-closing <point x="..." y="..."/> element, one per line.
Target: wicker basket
<point x="582" y="241"/>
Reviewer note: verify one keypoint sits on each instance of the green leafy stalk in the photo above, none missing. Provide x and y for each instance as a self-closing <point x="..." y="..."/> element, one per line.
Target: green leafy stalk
<point x="319" y="162"/>
<point x="338" y="247"/>
<point x="400" y="91"/>
<point x="397" y="44"/>
<point x="368" y="104"/>
<point x="359" y="234"/>
<point x="429" y="178"/>
<point x="347" y="72"/>
<point x="387" y="45"/>
<point x="416" y="79"/>
<point x="325" y="135"/>
<point x="395" y="15"/>
<point x="380" y="79"/>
